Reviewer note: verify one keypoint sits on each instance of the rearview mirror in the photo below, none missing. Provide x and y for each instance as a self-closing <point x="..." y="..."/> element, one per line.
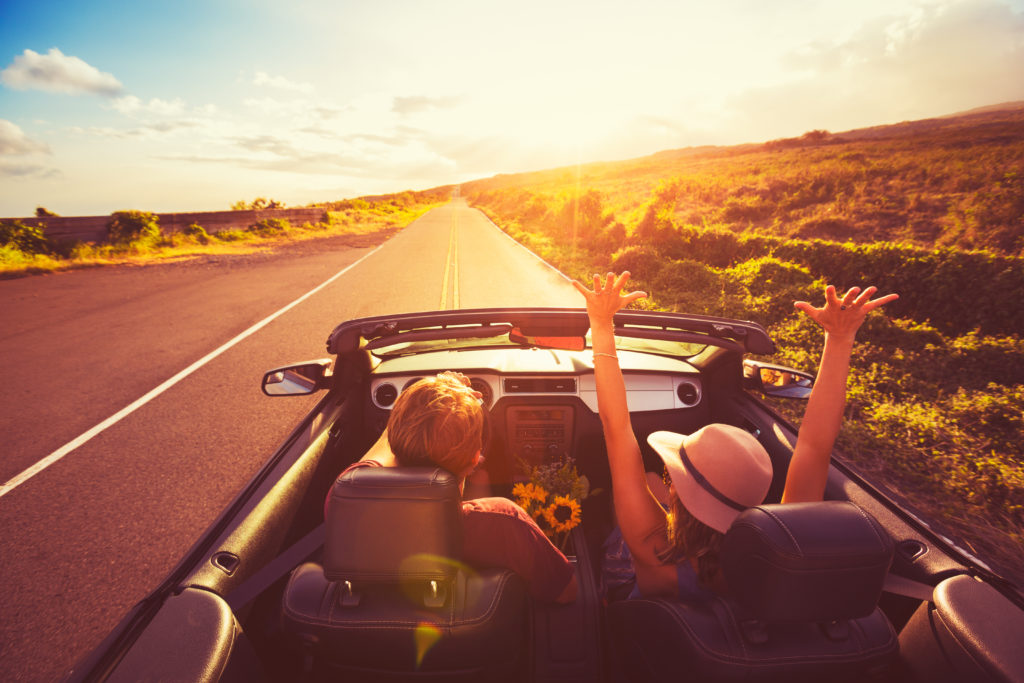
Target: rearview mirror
<point x="297" y="380"/>
<point x="777" y="381"/>
<point x="572" y="343"/>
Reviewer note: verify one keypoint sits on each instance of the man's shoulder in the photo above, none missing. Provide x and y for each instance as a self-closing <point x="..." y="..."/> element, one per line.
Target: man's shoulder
<point x="495" y="507"/>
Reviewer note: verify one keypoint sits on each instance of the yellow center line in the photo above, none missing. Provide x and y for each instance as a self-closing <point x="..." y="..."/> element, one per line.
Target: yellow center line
<point x="451" y="265"/>
<point x="455" y="262"/>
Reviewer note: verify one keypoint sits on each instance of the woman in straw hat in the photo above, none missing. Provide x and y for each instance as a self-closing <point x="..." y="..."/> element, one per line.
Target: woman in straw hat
<point x="719" y="470"/>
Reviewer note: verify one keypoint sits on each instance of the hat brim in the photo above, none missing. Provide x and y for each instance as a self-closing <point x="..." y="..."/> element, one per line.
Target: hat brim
<point x="697" y="501"/>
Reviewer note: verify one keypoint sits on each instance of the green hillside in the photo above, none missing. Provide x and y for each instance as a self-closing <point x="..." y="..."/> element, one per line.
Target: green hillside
<point x="933" y="210"/>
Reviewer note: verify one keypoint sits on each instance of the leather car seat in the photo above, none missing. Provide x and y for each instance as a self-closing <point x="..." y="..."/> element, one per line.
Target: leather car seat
<point x="392" y="601"/>
<point x="804" y="581"/>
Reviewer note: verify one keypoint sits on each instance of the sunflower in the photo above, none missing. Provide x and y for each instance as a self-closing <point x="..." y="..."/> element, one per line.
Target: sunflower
<point x="563" y="514"/>
<point x="530" y="496"/>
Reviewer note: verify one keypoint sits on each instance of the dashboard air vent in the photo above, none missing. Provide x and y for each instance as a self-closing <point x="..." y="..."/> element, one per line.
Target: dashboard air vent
<point x="688" y="394"/>
<point x="385" y="395"/>
<point x="540" y="385"/>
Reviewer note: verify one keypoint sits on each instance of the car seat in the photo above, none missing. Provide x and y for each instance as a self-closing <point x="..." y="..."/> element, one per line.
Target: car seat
<point x="392" y="601"/>
<point x="804" y="581"/>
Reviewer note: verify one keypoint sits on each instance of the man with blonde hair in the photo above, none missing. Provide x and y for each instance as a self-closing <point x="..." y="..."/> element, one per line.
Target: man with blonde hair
<point x="439" y="422"/>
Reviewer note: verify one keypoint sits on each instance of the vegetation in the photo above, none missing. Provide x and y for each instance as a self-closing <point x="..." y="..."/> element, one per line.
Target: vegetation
<point x="135" y="236"/>
<point x="932" y="210"/>
<point x="257" y="204"/>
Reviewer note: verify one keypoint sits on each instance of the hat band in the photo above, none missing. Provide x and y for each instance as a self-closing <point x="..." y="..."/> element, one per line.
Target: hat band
<point x="706" y="485"/>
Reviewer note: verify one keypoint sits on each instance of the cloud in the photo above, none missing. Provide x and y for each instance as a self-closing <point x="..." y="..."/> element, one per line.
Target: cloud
<point x="938" y="60"/>
<point x="418" y="103"/>
<point x="130" y="104"/>
<point x="138" y="132"/>
<point x="27" y="171"/>
<point x="14" y="142"/>
<point x="261" y="78"/>
<point x="57" y="72"/>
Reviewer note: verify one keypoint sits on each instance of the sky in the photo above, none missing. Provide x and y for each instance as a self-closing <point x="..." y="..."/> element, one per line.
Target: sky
<point x="196" y="104"/>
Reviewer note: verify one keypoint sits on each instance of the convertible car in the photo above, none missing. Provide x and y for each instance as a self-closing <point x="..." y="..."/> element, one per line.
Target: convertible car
<point x="852" y="588"/>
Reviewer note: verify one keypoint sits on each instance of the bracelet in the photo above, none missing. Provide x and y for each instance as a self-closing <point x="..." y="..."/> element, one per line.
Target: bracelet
<point x="606" y="355"/>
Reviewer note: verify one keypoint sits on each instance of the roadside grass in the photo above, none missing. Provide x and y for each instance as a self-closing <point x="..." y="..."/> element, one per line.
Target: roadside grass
<point x="155" y="247"/>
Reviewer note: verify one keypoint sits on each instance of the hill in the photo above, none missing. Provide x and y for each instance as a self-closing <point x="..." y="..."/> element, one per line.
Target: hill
<point x="933" y="210"/>
<point x="953" y="181"/>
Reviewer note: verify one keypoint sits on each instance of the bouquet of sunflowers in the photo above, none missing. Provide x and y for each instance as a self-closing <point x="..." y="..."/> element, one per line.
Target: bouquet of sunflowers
<point x="553" y="496"/>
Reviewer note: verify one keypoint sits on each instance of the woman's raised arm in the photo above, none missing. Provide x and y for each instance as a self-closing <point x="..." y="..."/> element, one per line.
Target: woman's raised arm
<point x="640" y="517"/>
<point x="840" y="318"/>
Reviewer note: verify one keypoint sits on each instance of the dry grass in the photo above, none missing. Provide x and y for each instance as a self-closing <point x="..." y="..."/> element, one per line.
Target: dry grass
<point x="369" y="218"/>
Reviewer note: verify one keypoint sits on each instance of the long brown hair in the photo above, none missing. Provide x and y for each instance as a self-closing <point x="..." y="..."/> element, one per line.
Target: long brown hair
<point x="691" y="539"/>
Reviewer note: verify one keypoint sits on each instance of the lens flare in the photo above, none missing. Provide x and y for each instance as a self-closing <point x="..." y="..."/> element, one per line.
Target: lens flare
<point x="426" y="636"/>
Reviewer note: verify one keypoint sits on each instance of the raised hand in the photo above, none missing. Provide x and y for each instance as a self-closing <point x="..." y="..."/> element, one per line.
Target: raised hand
<point x="842" y="317"/>
<point x="606" y="298"/>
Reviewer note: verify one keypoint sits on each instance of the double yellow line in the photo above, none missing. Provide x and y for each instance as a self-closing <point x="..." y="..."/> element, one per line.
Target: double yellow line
<point x="451" y="265"/>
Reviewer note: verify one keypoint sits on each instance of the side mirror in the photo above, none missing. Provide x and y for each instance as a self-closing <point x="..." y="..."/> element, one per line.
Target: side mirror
<point x="777" y="381"/>
<point x="297" y="380"/>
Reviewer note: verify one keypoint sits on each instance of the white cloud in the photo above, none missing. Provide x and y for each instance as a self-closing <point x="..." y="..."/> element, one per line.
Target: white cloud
<point x="57" y="72"/>
<point x="935" y="60"/>
<point x="262" y="78"/>
<point x="14" y="142"/>
<point x="26" y="171"/>
<point x="130" y="104"/>
<point x="418" y="103"/>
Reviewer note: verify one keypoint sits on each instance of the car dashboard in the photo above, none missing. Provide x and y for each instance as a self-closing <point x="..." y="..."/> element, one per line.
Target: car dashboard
<point x="543" y="403"/>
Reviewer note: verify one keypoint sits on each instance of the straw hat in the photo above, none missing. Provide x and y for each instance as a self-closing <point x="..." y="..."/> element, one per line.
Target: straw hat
<point x="717" y="472"/>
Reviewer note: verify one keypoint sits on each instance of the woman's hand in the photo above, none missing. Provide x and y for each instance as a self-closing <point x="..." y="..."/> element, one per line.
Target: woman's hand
<point x="606" y="298"/>
<point x="842" y="317"/>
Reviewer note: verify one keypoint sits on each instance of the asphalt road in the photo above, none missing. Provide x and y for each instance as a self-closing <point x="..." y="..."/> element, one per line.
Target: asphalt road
<point x="91" y="534"/>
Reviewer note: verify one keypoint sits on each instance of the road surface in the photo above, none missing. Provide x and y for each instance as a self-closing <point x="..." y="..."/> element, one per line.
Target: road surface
<point x="89" y="535"/>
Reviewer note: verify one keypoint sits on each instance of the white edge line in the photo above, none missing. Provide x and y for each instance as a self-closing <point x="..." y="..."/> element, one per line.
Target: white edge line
<point x="528" y="250"/>
<point x="50" y="459"/>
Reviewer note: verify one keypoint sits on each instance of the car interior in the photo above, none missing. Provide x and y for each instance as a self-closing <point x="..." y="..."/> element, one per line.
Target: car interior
<point x="280" y="594"/>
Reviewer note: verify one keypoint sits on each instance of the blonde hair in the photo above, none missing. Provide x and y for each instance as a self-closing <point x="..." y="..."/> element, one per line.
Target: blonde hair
<point x="689" y="538"/>
<point x="437" y="421"/>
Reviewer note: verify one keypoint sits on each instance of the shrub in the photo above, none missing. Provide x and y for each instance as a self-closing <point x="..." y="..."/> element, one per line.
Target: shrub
<point x="269" y="227"/>
<point x="197" y="233"/>
<point x="231" y="235"/>
<point x="643" y="263"/>
<point x="28" y="239"/>
<point x="133" y="226"/>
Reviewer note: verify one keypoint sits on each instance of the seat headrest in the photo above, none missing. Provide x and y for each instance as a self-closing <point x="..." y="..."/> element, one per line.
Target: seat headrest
<point x="802" y="562"/>
<point x="393" y="523"/>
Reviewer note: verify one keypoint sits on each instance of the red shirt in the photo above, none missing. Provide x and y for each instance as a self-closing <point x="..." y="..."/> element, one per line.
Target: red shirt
<point x="499" y="533"/>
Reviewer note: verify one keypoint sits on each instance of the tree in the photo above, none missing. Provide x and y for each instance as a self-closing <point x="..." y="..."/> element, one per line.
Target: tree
<point x="43" y="212"/>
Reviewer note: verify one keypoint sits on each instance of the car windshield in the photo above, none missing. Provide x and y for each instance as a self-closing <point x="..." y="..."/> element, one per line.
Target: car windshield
<point x="662" y="347"/>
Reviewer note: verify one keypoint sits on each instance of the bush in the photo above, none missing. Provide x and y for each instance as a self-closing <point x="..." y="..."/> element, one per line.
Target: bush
<point x="125" y="227"/>
<point x="268" y="227"/>
<point x="643" y="263"/>
<point x="197" y="233"/>
<point x="28" y="239"/>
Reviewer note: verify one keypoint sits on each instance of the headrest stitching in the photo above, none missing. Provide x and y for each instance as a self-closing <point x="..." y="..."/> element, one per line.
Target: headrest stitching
<point x="783" y="527"/>
<point x="871" y="523"/>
